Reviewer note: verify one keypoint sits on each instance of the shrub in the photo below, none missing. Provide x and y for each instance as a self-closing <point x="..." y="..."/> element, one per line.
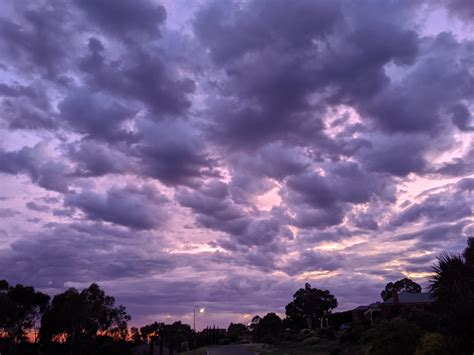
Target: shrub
<point x="397" y="337"/>
<point x="311" y="341"/>
<point x="355" y="333"/>
<point x="432" y="344"/>
<point x="326" y="333"/>
<point x="306" y="333"/>
<point x="425" y="320"/>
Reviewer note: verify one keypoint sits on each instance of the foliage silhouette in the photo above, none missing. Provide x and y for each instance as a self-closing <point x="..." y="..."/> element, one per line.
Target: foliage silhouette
<point x="79" y="316"/>
<point x="21" y="308"/>
<point x="404" y="284"/>
<point x="308" y="305"/>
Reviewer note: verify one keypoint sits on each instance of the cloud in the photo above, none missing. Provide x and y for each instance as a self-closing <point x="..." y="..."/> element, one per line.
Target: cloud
<point x="398" y="155"/>
<point x="416" y="103"/>
<point x="98" y="159"/>
<point x="34" y="38"/>
<point x="436" y="208"/>
<point x="215" y="209"/>
<point x="250" y="145"/>
<point x="42" y="168"/>
<point x="37" y="207"/>
<point x="134" y="207"/>
<point x="121" y="18"/>
<point x="95" y="115"/>
<point x="461" y="8"/>
<point x="139" y="75"/>
<point x="7" y="213"/>
<point x="173" y="152"/>
<point x="26" y="106"/>
<point x="92" y="251"/>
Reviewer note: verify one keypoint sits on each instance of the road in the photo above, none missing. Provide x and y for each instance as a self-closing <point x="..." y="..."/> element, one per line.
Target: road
<point x="229" y="350"/>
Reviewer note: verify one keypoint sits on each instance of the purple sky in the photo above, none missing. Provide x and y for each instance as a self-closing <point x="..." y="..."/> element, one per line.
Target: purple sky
<point x="224" y="153"/>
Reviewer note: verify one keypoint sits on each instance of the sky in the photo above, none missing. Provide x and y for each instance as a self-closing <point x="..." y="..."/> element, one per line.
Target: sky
<point x="223" y="153"/>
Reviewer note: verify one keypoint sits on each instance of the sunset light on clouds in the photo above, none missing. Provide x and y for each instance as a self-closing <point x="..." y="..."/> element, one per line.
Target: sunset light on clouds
<point x="223" y="153"/>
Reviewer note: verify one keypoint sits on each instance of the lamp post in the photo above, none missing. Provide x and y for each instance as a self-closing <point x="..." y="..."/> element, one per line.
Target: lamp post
<point x="201" y="310"/>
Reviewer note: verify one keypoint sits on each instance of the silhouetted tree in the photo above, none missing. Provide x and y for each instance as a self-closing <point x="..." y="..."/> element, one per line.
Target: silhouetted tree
<point x="469" y="252"/>
<point x="21" y="308"/>
<point x="79" y="316"/>
<point x="151" y="330"/>
<point x="236" y="331"/>
<point x="404" y="284"/>
<point x="452" y="284"/>
<point x="269" y="328"/>
<point x="308" y="305"/>
<point x="135" y="335"/>
<point x="452" y="281"/>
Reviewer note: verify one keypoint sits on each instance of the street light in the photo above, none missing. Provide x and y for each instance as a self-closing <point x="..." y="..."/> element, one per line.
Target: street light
<point x="201" y="310"/>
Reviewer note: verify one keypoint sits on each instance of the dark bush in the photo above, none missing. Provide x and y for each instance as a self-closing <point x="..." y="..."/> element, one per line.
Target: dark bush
<point x="327" y="333"/>
<point x="394" y="337"/>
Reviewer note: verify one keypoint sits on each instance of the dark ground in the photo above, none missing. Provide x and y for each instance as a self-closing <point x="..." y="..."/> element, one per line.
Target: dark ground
<point x="230" y="350"/>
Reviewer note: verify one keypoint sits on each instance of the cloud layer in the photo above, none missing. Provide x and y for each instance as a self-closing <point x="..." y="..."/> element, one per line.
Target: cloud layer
<point x="224" y="153"/>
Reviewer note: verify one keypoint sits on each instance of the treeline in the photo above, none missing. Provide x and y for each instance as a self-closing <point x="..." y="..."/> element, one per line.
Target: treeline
<point x="73" y="322"/>
<point x="445" y="326"/>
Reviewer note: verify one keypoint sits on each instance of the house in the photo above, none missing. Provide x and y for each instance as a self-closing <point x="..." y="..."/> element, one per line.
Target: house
<point x="403" y="300"/>
<point x="392" y="306"/>
<point x="366" y="313"/>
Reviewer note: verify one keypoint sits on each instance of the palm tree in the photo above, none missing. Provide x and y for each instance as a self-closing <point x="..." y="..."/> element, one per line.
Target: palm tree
<point x="469" y="251"/>
<point x="452" y="281"/>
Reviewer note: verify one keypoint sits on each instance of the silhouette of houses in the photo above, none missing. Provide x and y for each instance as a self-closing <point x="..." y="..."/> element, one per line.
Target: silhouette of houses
<point x="392" y="306"/>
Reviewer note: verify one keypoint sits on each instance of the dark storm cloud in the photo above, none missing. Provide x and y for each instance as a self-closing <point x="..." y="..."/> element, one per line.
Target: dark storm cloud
<point x="98" y="159"/>
<point x="397" y="155"/>
<point x="366" y="221"/>
<point x="122" y="17"/>
<point x="44" y="170"/>
<point x="279" y="129"/>
<point x="275" y="161"/>
<point x="95" y="115"/>
<point x="134" y="207"/>
<point x="466" y="184"/>
<point x="215" y="209"/>
<point x="461" y="8"/>
<point x="267" y="82"/>
<point x="26" y="106"/>
<point x="258" y="24"/>
<point x="35" y="38"/>
<point x="93" y="252"/>
<point x="141" y="76"/>
<point x="309" y="260"/>
<point x="173" y="152"/>
<point x="433" y="238"/>
<point x="320" y="200"/>
<point x="318" y="218"/>
<point x="264" y="98"/>
<point x="345" y="182"/>
<point x="436" y="208"/>
<point x="311" y="237"/>
<point x="439" y="80"/>
<point x="462" y="118"/>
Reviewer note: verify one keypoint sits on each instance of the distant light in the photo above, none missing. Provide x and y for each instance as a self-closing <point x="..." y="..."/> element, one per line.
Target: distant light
<point x="201" y="310"/>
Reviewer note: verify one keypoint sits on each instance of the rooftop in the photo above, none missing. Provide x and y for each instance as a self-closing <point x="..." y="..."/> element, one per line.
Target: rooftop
<point x="408" y="297"/>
